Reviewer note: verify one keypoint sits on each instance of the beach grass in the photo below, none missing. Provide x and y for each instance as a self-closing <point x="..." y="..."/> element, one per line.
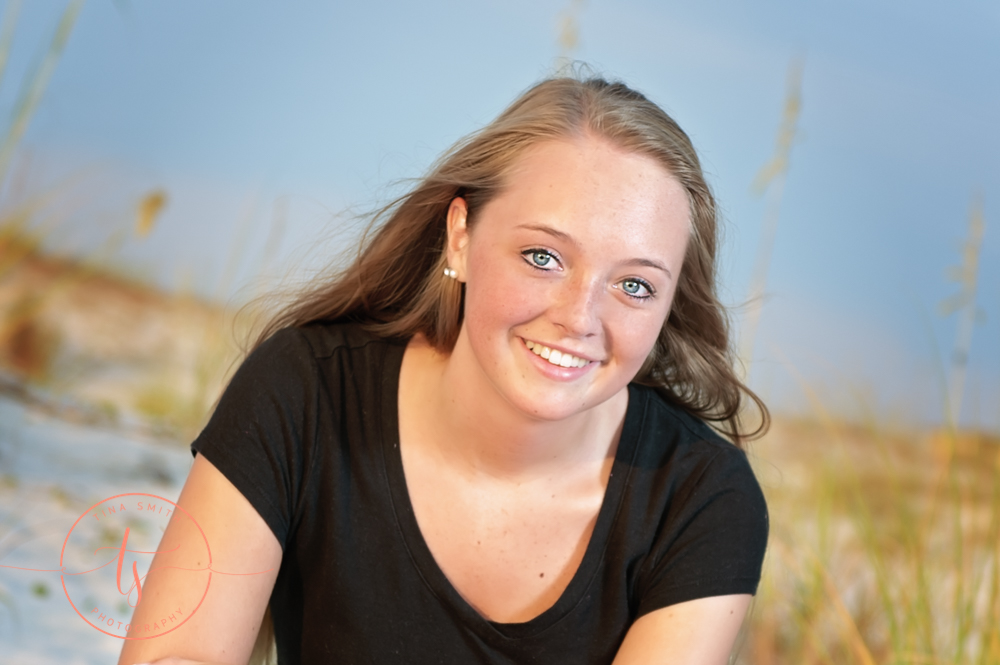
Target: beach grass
<point x="885" y="546"/>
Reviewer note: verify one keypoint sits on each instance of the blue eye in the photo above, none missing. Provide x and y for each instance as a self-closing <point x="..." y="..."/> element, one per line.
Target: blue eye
<point x="539" y="258"/>
<point x="636" y="288"/>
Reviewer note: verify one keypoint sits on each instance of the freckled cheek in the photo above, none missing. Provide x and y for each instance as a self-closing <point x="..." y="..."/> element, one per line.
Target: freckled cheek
<point x="498" y="299"/>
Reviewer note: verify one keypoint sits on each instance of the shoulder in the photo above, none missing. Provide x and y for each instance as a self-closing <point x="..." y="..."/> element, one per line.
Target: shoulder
<point x="696" y="478"/>
<point x="700" y="505"/>
<point x="320" y="340"/>
<point x="302" y="350"/>
<point x="294" y="395"/>
<point x="669" y="436"/>
<point x="295" y="366"/>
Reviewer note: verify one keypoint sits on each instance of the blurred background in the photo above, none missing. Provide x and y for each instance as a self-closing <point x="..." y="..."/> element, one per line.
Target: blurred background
<point x="165" y="164"/>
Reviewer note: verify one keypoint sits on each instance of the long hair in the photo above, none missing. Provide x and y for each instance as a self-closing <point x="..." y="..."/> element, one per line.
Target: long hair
<point x="395" y="287"/>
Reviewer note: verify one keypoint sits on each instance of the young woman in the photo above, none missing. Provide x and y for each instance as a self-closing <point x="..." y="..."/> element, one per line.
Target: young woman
<point x="485" y="440"/>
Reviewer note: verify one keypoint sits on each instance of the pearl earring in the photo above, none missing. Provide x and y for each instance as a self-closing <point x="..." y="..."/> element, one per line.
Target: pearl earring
<point x="450" y="272"/>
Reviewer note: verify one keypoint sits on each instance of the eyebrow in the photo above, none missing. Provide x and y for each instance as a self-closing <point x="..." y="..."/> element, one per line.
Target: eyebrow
<point x="562" y="235"/>
<point x="650" y="264"/>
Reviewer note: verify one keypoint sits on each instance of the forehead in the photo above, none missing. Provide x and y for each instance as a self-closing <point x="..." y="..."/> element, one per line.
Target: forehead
<point x="591" y="189"/>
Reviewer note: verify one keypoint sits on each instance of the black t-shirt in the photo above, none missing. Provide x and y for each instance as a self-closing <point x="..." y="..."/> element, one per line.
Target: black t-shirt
<point x="308" y="431"/>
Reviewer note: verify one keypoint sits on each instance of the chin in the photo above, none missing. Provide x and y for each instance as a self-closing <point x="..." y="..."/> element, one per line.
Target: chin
<point x="555" y="408"/>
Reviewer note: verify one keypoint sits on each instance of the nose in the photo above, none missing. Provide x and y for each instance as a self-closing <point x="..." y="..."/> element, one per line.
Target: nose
<point x="576" y="307"/>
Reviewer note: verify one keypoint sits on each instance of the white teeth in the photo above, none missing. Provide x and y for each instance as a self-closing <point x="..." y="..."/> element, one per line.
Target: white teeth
<point x="555" y="357"/>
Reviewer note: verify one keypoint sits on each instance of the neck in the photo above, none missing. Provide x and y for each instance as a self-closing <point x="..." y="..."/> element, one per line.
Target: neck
<point x="474" y="427"/>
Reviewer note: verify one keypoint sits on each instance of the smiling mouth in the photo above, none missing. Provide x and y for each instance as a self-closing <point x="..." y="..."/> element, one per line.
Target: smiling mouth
<point x="555" y="357"/>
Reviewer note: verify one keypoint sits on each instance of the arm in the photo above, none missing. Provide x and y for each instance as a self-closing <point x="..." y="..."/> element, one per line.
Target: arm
<point x="224" y="627"/>
<point x="697" y="632"/>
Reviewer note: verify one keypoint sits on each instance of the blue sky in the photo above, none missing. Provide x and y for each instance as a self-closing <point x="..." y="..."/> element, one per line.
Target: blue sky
<point x="241" y="110"/>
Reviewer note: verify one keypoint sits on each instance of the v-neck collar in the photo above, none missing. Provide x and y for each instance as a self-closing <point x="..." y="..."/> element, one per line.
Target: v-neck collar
<point x="428" y="568"/>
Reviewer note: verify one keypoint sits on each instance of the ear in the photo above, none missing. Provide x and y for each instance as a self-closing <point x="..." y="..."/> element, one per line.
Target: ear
<point x="458" y="237"/>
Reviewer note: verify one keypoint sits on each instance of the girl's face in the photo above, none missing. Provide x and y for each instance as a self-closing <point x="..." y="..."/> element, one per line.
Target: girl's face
<point x="569" y="272"/>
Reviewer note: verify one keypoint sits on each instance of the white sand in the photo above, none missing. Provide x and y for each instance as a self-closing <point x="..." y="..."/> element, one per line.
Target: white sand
<point x="50" y="473"/>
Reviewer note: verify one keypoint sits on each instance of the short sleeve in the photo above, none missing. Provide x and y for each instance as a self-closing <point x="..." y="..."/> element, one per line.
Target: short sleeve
<point x="714" y="535"/>
<point x="258" y="433"/>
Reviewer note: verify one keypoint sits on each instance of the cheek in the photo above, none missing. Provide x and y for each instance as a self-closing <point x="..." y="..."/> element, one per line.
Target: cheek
<point x="498" y="298"/>
<point x="636" y="340"/>
<point x="635" y="336"/>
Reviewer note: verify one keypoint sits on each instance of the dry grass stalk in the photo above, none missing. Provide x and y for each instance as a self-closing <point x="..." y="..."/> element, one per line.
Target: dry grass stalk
<point x="568" y="38"/>
<point x="36" y="83"/>
<point x="964" y="303"/>
<point x="771" y="179"/>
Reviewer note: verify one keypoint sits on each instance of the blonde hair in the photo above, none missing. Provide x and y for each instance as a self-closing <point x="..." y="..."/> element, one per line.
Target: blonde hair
<point x="395" y="287"/>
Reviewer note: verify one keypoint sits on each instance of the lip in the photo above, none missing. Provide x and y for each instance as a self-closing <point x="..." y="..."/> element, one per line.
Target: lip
<point x="555" y="371"/>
